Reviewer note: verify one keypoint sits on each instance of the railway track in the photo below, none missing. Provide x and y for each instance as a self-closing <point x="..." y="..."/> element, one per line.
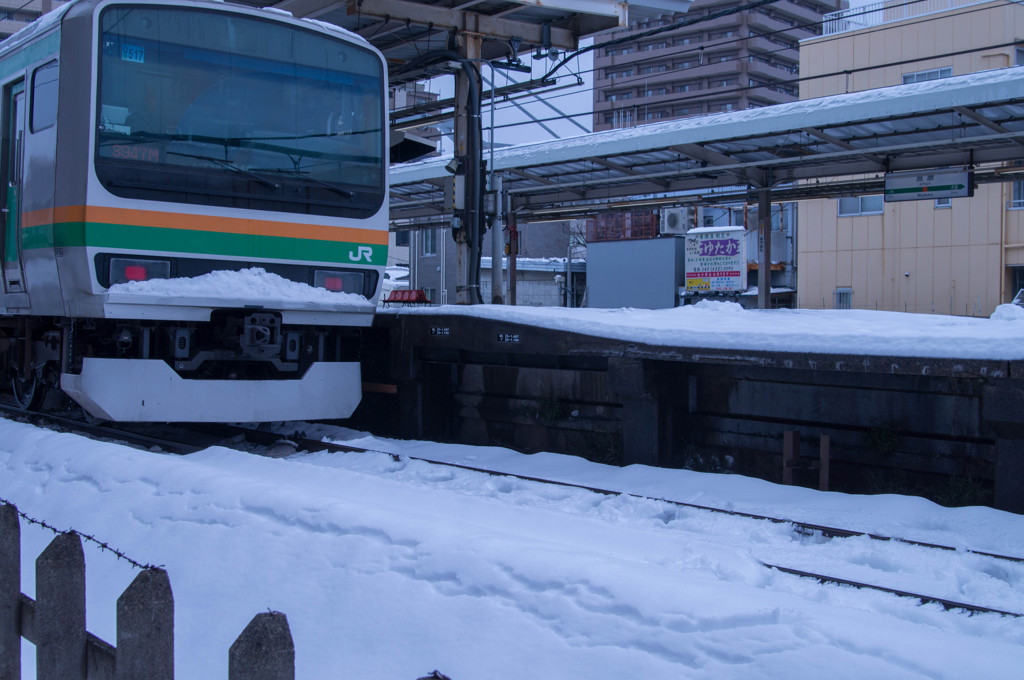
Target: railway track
<point x="184" y="439"/>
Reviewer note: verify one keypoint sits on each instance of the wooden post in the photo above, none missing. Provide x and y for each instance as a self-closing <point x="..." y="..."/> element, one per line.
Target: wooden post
<point x="145" y="628"/>
<point x="60" y="610"/>
<point x="264" y="650"/>
<point x="823" y="461"/>
<point x="10" y="593"/>
<point x="790" y="454"/>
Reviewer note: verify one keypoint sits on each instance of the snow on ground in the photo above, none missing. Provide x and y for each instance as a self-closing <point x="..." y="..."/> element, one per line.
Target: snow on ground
<point x="390" y="569"/>
<point x="727" y="325"/>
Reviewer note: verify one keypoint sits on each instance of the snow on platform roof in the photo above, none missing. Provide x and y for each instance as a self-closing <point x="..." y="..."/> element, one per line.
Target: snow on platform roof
<point x="875" y="109"/>
<point x="831" y="146"/>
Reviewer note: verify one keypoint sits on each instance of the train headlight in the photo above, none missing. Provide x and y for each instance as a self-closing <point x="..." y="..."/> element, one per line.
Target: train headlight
<point x="123" y="269"/>
<point x="339" y="281"/>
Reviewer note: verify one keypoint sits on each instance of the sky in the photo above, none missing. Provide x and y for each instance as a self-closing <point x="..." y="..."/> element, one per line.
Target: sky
<point x="394" y="568"/>
<point x="569" y="99"/>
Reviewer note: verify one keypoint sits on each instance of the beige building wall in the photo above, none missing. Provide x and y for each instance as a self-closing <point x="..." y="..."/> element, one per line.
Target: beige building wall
<point x="915" y="256"/>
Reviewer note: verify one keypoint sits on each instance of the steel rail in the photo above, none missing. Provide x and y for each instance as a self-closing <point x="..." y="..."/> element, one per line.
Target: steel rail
<point x="925" y="599"/>
<point x="301" y="443"/>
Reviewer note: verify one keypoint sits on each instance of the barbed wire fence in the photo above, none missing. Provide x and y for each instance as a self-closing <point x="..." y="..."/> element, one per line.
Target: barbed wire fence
<point x="102" y="545"/>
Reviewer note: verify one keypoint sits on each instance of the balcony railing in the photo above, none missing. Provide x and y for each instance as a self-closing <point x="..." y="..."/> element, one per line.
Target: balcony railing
<point x="886" y="11"/>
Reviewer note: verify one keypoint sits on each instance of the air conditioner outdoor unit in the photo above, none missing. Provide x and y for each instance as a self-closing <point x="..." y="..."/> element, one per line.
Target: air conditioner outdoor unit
<point x="675" y="220"/>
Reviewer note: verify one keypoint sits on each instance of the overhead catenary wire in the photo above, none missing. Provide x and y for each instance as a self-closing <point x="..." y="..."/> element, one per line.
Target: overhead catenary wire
<point x="636" y="37"/>
<point x="633" y="38"/>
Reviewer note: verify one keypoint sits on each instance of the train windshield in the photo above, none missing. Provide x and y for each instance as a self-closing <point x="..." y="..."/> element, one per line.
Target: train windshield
<point x="208" y="107"/>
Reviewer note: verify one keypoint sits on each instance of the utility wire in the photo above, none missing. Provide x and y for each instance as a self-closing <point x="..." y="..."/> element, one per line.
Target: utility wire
<point x="636" y="37"/>
<point x="769" y="83"/>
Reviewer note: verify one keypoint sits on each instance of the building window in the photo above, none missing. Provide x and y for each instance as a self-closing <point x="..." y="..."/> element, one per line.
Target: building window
<point x="1018" y="281"/>
<point x="683" y="64"/>
<point x="931" y="74"/>
<point x="1019" y="57"/>
<point x="851" y="206"/>
<point x="1017" y="200"/>
<point x="401" y="238"/>
<point x="620" y="74"/>
<point x="843" y="298"/>
<point x="429" y="241"/>
<point x="618" y="96"/>
<point x="655" y="91"/>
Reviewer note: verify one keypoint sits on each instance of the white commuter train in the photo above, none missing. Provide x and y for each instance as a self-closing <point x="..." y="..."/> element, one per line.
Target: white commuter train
<point x="150" y="140"/>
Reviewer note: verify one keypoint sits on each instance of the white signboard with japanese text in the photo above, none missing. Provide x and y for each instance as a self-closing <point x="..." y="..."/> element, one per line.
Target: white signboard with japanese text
<point x="928" y="184"/>
<point x="716" y="260"/>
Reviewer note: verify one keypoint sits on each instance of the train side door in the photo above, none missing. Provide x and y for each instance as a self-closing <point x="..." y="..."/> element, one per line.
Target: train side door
<point x="11" y="158"/>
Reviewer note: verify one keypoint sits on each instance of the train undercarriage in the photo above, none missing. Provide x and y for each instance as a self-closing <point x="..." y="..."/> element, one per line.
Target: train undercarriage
<point x="241" y="365"/>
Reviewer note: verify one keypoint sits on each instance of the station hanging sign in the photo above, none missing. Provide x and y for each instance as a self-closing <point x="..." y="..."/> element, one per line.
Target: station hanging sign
<point x="928" y="184"/>
<point x="716" y="260"/>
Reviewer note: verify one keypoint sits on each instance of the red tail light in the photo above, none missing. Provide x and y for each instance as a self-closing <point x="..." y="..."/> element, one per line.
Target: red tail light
<point x="334" y="283"/>
<point x="124" y="269"/>
<point x="134" y="272"/>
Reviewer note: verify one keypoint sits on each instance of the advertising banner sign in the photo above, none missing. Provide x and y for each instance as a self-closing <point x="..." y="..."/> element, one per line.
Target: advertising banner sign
<point x="716" y="260"/>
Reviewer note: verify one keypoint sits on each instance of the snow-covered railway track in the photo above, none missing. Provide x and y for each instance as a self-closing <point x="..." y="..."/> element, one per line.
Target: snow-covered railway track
<point x="183" y="439"/>
<point x="102" y="430"/>
<point x="806" y="529"/>
<point x="923" y="599"/>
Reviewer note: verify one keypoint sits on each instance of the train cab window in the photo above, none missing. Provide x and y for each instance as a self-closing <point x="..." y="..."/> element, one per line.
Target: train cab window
<point x="44" y="96"/>
<point x="212" y="108"/>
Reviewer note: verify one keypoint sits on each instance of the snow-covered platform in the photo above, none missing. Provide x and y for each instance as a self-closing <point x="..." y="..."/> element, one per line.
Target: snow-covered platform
<point x="915" y="403"/>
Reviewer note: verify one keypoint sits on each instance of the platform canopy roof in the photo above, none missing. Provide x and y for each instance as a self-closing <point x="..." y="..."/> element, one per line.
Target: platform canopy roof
<point x="831" y="146"/>
<point x="406" y="30"/>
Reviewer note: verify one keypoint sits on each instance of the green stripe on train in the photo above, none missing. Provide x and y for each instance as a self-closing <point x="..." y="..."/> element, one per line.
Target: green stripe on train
<point x="101" y="235"/>
<point x="22" y="57"/>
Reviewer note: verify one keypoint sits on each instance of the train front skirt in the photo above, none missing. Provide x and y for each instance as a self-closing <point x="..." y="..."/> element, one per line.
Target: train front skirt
<point x="139" y="390"/>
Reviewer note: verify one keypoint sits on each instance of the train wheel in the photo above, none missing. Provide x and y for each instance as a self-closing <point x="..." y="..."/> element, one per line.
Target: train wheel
<point x="28" y="393"/>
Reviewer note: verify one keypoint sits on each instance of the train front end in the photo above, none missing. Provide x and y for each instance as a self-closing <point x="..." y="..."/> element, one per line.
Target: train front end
<point x="225" y="241"/>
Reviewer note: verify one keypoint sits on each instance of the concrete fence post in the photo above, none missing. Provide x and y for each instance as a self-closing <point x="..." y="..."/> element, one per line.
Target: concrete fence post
<point x="145" y="622"/>
<point x="264" y="650"/>
<point x="10" y="593"/>
<point x="60" y="610"/>
<point x="145" y="628"/>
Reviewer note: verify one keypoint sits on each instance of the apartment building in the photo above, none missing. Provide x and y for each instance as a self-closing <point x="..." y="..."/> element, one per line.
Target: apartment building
<point x="16" y="14"/>
<point x="719" y="60"/>
<point x="961" y="256"/>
